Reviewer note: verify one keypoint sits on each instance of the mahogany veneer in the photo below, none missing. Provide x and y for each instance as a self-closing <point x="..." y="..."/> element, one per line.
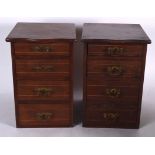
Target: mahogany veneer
<point x="114" y="60"/>
<point x="42" y="55"/>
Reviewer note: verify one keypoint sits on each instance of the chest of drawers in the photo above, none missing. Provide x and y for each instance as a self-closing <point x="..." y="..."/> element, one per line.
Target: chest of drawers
<point x="42" y="55"/>
<point x="114" y="64"/>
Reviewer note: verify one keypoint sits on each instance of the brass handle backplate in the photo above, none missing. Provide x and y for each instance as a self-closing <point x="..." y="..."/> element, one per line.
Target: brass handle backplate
<point x="43" y="91"/>
<point x="42" y="49"/>
<point x="115" y="70"/>
<point x="110" y="116"/>
<point x="114" y="51"/>
<point x="43" y="68"/>
<point x="113" y="92"/>
<point x="44" y="115"/>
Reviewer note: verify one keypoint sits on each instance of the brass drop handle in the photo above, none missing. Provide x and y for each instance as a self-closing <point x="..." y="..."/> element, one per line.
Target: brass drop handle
<point x="113" y="92"/>
<point x="43" y="68"/>
<point x="114" y="70"/>
<point x="110" y="116"/>
<point x="115" y="51"/>
<point x="42" y="49"/>
<point x="44" y="115"/>
<point x="43" y="91"/>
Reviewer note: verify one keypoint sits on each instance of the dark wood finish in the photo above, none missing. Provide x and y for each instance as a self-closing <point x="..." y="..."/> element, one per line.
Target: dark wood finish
<point x="38" y="76"/>
<point x="104" y="91"/>
<point x="42" y="92"/>
<point x="30" y="50"/>
<point x="111" y="118"/>
<point x="114" y="68"/>
<point x="35" y="115"/>
<point x="44" y="32"/>
<point x="114" y="33"/>
<point x="41" y="66"/>
<point x="51" y="48"/>
<point x="114" y="60"/>
<point x="120" y="104"/>
<point x="42" y="56"/>
<point x="128" y="50"/>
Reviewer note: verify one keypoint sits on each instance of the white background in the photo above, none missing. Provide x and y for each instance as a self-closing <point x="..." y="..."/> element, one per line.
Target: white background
<point x="78" y="12"/>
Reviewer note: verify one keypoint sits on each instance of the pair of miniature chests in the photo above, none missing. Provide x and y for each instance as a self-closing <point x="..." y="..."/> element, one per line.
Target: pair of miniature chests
<point x="114" y="64"/>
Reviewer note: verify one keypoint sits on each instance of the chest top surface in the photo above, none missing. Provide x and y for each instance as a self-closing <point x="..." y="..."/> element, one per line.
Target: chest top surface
<point x="113" y="33"/>
<point x="42" y="31"/>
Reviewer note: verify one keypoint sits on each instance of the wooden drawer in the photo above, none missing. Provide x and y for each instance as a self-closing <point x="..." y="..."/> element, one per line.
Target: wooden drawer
<point x="114" y="60"/>
<point x="112" y="92"/>
<point x="41" y="82"/>
<point x="115" y="68"/>
<point x="43" y="115"/>
<point x="28" y="50"/>
<point x="120" y="104"/>
<point x="42" y="91"/>
<point x="115" y="50"/>
<point x="41" y="66"/>
<point x="100" y="79"/>
<point x="110" y="116"/>
<point x="42" y="57"/>
<point x="44" y="76"/>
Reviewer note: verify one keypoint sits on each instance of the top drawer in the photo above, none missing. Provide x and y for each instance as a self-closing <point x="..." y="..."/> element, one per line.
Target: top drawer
<point x="39" y="49"/>
<point x="115" y="50"/>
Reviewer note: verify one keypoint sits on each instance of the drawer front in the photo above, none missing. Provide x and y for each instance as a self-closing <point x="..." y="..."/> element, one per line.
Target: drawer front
<point x="41" y="82"/>
<point x="115" y="50"/>
<point x="42" y="92"/>
<point x="43" y="115"/>
<point x="111" y="116"/>
<point x="112" y="92"/>
<point x="41" y="66"/>
<point x="51" y="76"/>
<point x="41" y="50"/>
<point x="120" y="104"/>
<point x="97" y="79"/>
<point x="114" y="68"/>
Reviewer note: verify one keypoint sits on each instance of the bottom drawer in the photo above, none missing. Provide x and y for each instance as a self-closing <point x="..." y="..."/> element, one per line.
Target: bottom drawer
<point x="43" y="115"/>
<point x="110" y="118"/>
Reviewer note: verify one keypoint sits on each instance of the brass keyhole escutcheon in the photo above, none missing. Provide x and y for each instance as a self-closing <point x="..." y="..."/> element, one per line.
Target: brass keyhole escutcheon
<point x="44" y="116"/>
<point x="43" y="68"/>
<point x="115" y="70"/>
<point x="44" y="91"/>
<point x="113" y="92"/>
<point x="110" y="116"/>
<point x="45" y="49"/>
<point x="115" y="51"/>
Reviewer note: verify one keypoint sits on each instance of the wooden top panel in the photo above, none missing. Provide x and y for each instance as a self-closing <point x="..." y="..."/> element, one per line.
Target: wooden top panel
<point x="42" y="32"/>
<point x="113" y="33"/>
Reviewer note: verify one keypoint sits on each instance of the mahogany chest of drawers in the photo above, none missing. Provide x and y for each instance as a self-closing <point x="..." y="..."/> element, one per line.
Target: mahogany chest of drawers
<point x="42" y="55"/>
<point x="114" y="60"/>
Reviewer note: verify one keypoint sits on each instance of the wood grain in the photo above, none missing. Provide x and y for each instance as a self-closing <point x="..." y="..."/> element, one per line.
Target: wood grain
<point x="113" y="74"/>
<point x="114" y="33"/>
<point x="44" y="32"/>
<point x="42" y="74"/>
<point x="60" y="115"/>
